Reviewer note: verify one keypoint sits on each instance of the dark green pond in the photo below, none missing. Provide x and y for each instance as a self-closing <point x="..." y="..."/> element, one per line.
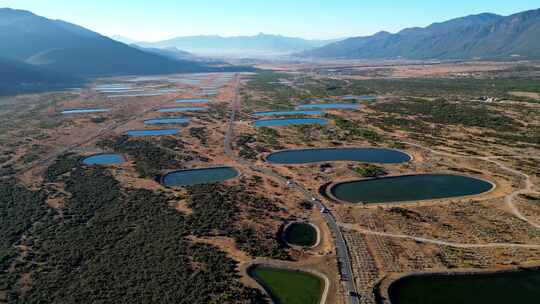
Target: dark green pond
<point x="288" y="286"/>
<point x="198" y="176"/>
<point x="409" y="188"/>
<point x="301" y="234"/>
<point x="502" y="288"/>
<point x="366" y="155"/>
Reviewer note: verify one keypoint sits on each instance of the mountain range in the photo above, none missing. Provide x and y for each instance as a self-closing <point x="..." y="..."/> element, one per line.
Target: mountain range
<point x="258" y="45"/>
<point x="484" y="36"/>
<point x="38" y="50"/>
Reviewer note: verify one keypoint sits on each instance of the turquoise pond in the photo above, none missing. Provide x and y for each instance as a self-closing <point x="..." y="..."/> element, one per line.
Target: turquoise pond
<point x="287" y="113"/>
<point x="182" y="109"/>
<point x="103" y="159"/>
<point x="290" y="121"/>
<point x="337" y="106"/>
<point x="163" y="132"/>
<point x="84" y="111"/>
<point x="198" y="176"/>
<point x="409" y="188"/>
<point x="167" y="121"/>
<point x="192" y="100"/>
<point x="364" y="155"/>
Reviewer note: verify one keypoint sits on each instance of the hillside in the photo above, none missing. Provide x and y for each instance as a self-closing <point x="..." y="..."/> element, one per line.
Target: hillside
<point x="261" y="44"/>
<point x="476" y="36"/>
<point x="171" y="53"/>
<point x="71" y="49"/>
<point x="17" y="76"/>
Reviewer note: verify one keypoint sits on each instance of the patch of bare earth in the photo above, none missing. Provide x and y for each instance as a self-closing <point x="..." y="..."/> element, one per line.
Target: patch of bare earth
<point x="531" y="95"/>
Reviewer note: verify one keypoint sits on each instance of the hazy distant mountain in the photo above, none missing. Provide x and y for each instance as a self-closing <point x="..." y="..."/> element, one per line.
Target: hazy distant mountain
<point x="71" y="49"/>
<point x="171" y="53"/>
<point x="477" y="36"/>
<point x="261" y="44"/>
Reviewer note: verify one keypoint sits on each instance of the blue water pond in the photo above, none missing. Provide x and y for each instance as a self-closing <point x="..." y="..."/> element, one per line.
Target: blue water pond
<point x="167" y="121"/>
<point x="103" y="159"/>
<point x="162" y="132"/>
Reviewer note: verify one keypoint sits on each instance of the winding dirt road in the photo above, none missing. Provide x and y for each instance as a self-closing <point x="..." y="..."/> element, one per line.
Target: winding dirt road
<point x="509" y="198"/>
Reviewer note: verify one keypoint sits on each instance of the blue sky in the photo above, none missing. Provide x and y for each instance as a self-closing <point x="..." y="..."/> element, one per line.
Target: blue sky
<point x="153" y="20"/>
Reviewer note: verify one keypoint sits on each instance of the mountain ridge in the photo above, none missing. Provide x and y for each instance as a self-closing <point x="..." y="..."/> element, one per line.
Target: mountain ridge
<point x="240" y="45"/>
<point x="483" y="35"/>
<point x="72" y="49"/>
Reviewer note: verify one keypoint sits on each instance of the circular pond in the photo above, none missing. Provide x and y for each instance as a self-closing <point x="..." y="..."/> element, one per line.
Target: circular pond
<point x="488" y="288"/>
<point x="301" y="234"/>
<point x="198" y="176"/>
<point x="103" y="159"/>
<point x="409" y="188"/>
<point x="365" y="155"/>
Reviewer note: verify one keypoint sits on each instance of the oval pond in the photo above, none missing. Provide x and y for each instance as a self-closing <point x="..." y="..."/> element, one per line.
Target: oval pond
<point x="83" y="111"/>
<point x="137" y="133"/>
<point x="365" y="155"/>
<point x="192" y="100"/>
<point x="103" y="159"/>
<point x="198" y="176"/>
<point x="409" y="188"/>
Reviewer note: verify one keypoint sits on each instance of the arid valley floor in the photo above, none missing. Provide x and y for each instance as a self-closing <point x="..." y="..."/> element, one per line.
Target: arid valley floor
<point x="120" y="228"/>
